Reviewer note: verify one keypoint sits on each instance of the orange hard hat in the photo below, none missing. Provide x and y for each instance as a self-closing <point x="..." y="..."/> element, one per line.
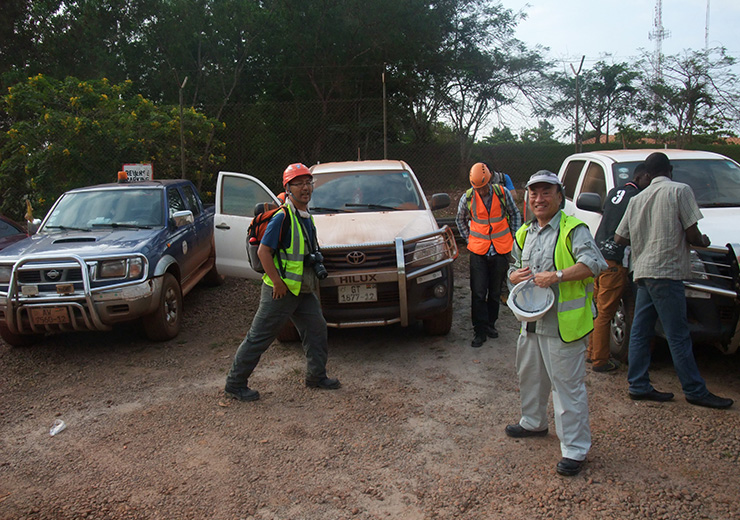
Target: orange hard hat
<point x="480" y="175"/>
<point x="295" y="170"/>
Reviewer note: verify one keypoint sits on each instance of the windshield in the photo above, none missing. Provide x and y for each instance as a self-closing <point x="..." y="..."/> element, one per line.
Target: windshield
<point x="364" y="191"/>
<point x="135" y="208"/>
<point x="715" y="182"/>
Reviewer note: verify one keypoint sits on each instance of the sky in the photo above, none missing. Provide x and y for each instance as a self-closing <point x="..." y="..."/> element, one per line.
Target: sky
<point x="573" y="28"/>
<point x="592" y="28"/>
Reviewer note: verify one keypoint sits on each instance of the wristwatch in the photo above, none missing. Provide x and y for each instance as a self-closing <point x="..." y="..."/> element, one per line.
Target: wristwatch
<point x="559" y="274"/>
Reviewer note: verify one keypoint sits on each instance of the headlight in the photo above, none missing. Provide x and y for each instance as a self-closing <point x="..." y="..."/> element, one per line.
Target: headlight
<point x="5" y="271"/>
<point x="112" y="269"/>
<point x="121" y="268"/>
<point x="428" y="252"/>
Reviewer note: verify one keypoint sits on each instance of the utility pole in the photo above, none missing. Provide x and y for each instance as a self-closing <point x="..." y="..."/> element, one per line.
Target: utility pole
<point x="182" y="132"/>
<point x="385" y="121"/>
<point x="579" y="146"/>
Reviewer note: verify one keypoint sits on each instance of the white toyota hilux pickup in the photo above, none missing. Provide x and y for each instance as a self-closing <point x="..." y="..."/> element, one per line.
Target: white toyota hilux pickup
<point x="712" y="293"/>
<point x="387" y="259"/>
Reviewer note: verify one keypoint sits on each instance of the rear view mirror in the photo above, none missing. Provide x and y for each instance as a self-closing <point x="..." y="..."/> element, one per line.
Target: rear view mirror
<point x="440" y="201"/>
<point x="589" y="202"/>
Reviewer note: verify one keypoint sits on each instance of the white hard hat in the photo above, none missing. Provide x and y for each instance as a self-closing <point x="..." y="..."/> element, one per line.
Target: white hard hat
<point x="529" y="302"/>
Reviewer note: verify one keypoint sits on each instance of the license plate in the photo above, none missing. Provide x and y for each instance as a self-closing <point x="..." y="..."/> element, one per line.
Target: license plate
<point x="49" y="315"/>
<point x="357" y="293"/>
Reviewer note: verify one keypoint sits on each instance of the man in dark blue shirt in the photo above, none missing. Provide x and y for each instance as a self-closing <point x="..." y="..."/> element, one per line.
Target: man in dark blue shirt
<point x="610" y="284"/>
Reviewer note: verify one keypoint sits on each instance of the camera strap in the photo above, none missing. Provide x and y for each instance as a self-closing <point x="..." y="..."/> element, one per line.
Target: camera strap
<point x="313" y="245"/>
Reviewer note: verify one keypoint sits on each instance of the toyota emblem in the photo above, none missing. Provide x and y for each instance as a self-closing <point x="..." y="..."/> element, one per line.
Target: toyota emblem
<point x="356" y="257"/>
<point x="53" y="274"/>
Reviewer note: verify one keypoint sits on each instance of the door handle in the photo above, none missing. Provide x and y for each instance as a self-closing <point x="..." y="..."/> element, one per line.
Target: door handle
<point x="223" y="226"/>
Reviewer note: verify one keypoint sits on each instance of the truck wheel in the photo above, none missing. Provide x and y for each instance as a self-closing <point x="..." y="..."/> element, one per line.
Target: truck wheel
<point x="440" y="324"/>
<point x="164" y="323"/>
<point x="17" y="340"/>
<point x="619" y="337"/>
<point x="288" y="333"/>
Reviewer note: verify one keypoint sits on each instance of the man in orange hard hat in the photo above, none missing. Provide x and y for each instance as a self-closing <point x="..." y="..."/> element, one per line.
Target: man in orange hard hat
<point x="487" y="219"/>
<point x="288" y="291"/>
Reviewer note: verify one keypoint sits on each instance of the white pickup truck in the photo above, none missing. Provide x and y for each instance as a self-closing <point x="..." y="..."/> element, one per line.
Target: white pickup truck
<point x="712" y="294"/>
<point x="388" y="260"/>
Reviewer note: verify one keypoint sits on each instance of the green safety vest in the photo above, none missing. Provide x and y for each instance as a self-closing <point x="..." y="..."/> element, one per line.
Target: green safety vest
<point x="291" y="270"/>
<point x="575" y="298"/>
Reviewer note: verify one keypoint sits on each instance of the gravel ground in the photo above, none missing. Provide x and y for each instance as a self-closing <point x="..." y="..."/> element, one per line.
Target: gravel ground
<point x="416" y="432"/>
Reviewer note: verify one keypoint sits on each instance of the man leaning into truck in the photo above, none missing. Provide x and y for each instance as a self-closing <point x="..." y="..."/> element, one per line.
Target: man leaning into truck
<point x="659" y="224"/>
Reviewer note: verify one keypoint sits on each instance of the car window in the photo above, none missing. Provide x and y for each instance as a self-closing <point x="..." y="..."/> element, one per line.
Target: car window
<point x="175" y="201"/>
<point x="570" y="178"/>
<point x="192" y="199"/>
<point x="7" y="229"/>
<point x="88" y="209"/>
<point x="715" y="182"/>
<point x="595" y="181"/>
<point x="240" y="195"/>
<point x="365" y="191"/>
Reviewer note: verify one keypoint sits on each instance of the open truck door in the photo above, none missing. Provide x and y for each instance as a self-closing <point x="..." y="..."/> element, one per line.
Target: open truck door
<point x="236" y="196"/>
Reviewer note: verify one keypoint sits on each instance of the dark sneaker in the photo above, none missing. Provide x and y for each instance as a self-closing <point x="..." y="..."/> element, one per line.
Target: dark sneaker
<point x="492" y="332"/>
<point x="652" y="395"/>
<point x="326" y="383"/>
<point x="569" y="467"/>
<point x="711" y="401"/>
<point x="242" y="393"/>
<point x="517" y="431"/>
<point x="609" y="366"/>
<point x="478" y="340"/>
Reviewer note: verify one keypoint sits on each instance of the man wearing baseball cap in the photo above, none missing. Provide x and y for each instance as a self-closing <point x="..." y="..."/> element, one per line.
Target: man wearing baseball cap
<point x="556" y="251"/>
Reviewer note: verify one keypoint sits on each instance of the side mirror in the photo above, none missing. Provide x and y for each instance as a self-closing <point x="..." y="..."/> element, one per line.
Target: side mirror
<point x="440" y="201"/>
<point x="33" y="225"/>
<point x="182" y="218"/>
<point x="589" y="202"/>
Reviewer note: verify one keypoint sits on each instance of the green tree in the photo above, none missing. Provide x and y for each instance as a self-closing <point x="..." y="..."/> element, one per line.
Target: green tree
<point x="543" y="133"/>
<point x="71" y="133"/>
<point x="696" y="93"/>
<point x="500" y="136"/>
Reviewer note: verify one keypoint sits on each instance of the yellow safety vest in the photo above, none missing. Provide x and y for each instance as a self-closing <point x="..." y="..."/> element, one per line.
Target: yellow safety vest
<point x="575" y="315"/>
<point x="294" y="254"/>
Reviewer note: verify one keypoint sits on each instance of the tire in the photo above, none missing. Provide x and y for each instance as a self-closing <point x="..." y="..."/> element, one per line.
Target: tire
<point x="164" y="323"/>
<point x="288" y="333"/>
<point x="621" y="325"/>
<point x="440" y="324"/>
<point x="17" y="340"/>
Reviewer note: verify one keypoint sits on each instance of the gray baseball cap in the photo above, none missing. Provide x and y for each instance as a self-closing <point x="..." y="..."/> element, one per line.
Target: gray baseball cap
<point x="544" y="176"/>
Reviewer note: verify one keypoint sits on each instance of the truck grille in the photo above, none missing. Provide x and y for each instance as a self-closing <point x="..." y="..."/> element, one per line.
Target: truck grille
<point x="365" y="258"/>
<point x="73" y="274"/>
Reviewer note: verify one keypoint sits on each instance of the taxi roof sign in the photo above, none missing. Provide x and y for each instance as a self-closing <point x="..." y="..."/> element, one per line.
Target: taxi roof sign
<point x="139" y="172"/>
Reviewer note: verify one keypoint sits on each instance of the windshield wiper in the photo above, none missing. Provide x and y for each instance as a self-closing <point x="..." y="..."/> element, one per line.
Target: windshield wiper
<point x="329" y="210"/>
<point x="68" y="228"/>
<point x="371" y="206"/>
<point x="121" y="225"/>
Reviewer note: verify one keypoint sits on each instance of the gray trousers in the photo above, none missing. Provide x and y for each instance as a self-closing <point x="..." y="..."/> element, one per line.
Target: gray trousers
<point x="304" y="311"/>
<point x="546" y="364"/>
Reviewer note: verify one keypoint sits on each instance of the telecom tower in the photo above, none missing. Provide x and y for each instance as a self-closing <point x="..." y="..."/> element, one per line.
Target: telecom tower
<point x="658" y="34"/>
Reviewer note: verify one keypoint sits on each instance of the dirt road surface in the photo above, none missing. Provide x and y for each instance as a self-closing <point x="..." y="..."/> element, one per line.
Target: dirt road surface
<point x="416" y="432"/>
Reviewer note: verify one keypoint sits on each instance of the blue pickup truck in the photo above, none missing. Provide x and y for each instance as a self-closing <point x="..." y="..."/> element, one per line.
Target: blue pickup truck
<point x="108" y="254"/>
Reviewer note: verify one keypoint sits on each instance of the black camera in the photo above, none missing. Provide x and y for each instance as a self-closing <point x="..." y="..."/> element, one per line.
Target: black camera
<point x="316" y="261"/>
